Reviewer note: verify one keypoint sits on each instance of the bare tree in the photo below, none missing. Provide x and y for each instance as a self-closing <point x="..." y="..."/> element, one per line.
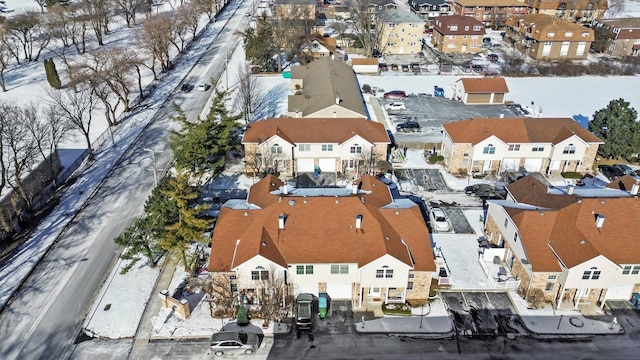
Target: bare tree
<point x="272" y="293"/>
<point x="49" y="130"/>
<point x="250" y="94"/>
<point x="76" y="107"/>
<point x="219" y="294"/>
<point x="30" y="31"/>
<point x="361" y="12"/>
<point x="179" y="29"/>
<point x="209" y="7"/>
<point x="156" y="37"/>
<point x="6" y="56"/>
<point x="190" y="16"/>
<point x="99" y="14"/>
<point x="21" y="147"/>
<point x="129" y="9"/>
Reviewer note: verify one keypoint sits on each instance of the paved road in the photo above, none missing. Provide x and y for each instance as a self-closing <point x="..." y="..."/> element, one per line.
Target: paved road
<point x="45" y="316"/>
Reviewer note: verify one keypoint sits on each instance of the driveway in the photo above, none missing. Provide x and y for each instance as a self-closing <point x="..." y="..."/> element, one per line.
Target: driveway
<point x="480" y="313"/>
<point x="423" y="179"/>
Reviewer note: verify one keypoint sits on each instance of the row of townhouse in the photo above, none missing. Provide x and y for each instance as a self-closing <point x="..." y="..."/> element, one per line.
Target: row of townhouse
<point x="572" y="247"/>
<point x="495" y="145"/>
<point x="355" y="243"/>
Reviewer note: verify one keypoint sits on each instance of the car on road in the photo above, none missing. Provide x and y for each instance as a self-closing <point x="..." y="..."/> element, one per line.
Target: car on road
<point x="186" y="87"/>
<point x="627" y="170"/>
<point x="610" y="172"/>
<point x="396" y="106"/>
<point x="408" y="126"/>
<point x="305" y="311"/>
<point x="395" y="94"/>
<point x="439" y="220"/>
<point x="202" y="87"/>
<point x="485" y="191"/>
<point x="233" y="342"/>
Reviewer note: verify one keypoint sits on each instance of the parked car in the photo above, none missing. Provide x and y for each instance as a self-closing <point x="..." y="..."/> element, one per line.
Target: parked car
<point x="396" y="106"/>
<point x="495" y="46"/>
<point x="202" y="87"/>
<point x="305" y="311"/>
<point x="493" y="57"/>
<point x="233" y="342"/>
<point x="186" y="87"/>
<point x="394" y="67"/>
<point x="439" y="220"/>
<point x="486" y="40"/>
<point x="485" y="191"/>
<point x="610" y="172"/>
<point x="405" y="68"/>
<point x="408" y="126"/>
<point x="477" y="68"/>
<point x="395" y="94"/>
<point x="383" y="67"/>
<point x="415" y="67"/>
<point x="627" y="170"/>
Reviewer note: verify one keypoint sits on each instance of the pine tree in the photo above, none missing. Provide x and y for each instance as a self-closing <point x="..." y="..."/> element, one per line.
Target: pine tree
<point x="55" y="78"/>
<point x="618" y="127"/>
<point x="188" y="227"/>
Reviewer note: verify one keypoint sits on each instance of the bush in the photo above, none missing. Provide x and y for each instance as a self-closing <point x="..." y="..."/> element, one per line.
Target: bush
<point x="435" y="159"/>
<point x="366" y="88"/>
<point x="571" y="175"/>
<point x="396" y="309"/>
<point x="243" y="318"/>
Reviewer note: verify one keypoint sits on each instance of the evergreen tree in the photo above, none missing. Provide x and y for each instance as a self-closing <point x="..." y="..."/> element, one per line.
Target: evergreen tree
<point x="187" y="228"/>
<point x="201" y="146"/>
<point x="52" y="74"/>
<point x="618" y="127"/>
<point x="141" y="238"/>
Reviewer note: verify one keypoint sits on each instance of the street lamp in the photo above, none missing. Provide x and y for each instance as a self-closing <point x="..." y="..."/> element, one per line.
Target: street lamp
<point x="155" y="167"/>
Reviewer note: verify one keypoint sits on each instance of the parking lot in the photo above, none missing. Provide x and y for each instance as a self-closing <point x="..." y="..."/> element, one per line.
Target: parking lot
<point x="431" y="112"/>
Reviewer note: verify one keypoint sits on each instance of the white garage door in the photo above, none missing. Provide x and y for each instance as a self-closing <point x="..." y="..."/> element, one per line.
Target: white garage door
<point x="510" y="164"/>
<point x="305" y="165"/>
<point x="327" y="165"/>
<point x="339" y="290"/>
<point x="619" y="292"/>
<point x="305" y="288"/>
<point x="533" y="165"/>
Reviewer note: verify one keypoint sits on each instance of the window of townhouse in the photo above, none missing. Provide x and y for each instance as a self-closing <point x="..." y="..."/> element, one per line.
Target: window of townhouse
<point x="514" y="147"/>
<point x="633" y="270"/>
<point x="339" y="269"/>
<point x="304" y="269"/>
<point x="327" y="147"/>
<point x="384" y="273"/>
<point x="489" y="149"/>
<point x="537" y="148"/>
<point x="356" y="149"/>
<point x="593" y="274"/>
<point x="259" y="274"/>
<point x="276" y="149"/>
<point x="304" y="147"/>
<point x="570" y="149"/>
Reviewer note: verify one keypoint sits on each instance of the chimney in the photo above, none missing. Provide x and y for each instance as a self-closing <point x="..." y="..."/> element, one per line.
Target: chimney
<point x="281" y="220"/>
<point x="337" y="100"/>
<point x="634" y="189"/>
<point x="358" y="221"/>
<point x="570" y="189"/>
<point x="285" y="189"/>
<point x="354" y="189"/>
<point x="599" y="221"/>
<point x="501" y="116"/>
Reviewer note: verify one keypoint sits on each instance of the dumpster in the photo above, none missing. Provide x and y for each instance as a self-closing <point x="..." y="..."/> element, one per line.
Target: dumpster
<point x="323" y="305"/>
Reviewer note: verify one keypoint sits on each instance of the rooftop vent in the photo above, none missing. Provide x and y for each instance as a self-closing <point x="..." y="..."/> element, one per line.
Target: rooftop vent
<point x="634" y="189"/>
<point x="285" y="189"/>
<point x="281" y="220"/>
<point x="292" y="202"/>
<point x="599" y="220"/>
<point x="570" y="189"/>
<point x="358" y="221"/>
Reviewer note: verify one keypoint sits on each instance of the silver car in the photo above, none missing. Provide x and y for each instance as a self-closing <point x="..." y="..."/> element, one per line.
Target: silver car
<point x="232" y="342"/>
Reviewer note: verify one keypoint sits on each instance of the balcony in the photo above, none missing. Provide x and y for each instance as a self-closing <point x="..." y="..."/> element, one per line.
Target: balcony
<point x="496" y="270"/>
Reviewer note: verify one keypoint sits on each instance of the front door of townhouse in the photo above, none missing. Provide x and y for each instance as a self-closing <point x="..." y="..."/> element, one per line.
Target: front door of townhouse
<point x="374" y="292"/>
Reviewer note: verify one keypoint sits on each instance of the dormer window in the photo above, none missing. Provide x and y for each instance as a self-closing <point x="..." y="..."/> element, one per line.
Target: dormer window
<point x="569" y="149"/>
<point x="356" y="149"/>
<point x="489" y="149"/>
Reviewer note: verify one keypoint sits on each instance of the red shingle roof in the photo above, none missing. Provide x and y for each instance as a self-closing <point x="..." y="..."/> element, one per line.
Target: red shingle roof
<point x="321" y="229"/>
<point x="518" y="130"/>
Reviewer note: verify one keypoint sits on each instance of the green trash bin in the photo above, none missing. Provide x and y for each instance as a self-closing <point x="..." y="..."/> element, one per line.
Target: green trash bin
<point x="286" y="74"/>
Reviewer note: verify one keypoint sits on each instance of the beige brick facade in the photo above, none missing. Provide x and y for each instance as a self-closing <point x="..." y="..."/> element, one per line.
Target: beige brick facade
<point x="421" y="287"/>
<point x="589" y="157"/>
<point x="492" y="232"/>
<point x="457" y="158"/>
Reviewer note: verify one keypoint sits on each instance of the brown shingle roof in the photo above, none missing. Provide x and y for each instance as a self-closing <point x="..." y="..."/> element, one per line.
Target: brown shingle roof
<point x="324" y="80"/>
<point x="529" y="190"/>
<point x="442" y="25"/>
<point x="314" y="130"/>
<point x="364" y="61"/>
<point x="624" y="183"/>
<point x="321" y="229"/>
<point x="545" y="24"/>
<point x="517" y="130"/>
<point x="485" y="3"/>
<point x="535" y="227"/>
<point x="484" y="85"/>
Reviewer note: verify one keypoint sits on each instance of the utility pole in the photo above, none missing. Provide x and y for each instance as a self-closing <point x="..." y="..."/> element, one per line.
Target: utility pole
<point x="226" y="68"/>
<point x="155" y="166"/>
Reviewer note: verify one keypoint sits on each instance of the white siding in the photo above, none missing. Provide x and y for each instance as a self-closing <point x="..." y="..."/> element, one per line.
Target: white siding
<point x="243" y="271"/>
<point x="400" y="273"/>
<point x="608" y="272"/>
